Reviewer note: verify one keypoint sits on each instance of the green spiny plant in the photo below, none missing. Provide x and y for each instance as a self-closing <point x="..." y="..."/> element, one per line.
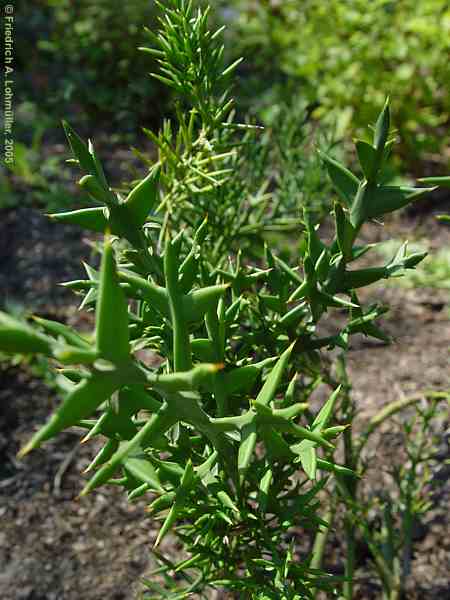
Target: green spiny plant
<point x="435" y="271"/>
<point x="216" y="432"/>
<point x="208" y="162"/>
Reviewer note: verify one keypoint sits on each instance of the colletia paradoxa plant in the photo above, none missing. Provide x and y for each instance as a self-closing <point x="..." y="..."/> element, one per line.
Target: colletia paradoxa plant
<point x="216" y="430"/>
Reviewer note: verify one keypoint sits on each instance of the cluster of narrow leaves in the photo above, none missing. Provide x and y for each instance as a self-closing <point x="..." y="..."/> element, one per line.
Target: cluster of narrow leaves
<point x="215" y="429"/>
<point x="203" y="151"/>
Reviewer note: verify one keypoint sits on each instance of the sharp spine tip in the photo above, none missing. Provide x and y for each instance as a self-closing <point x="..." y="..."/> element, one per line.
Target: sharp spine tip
<point x="24" y="451"/>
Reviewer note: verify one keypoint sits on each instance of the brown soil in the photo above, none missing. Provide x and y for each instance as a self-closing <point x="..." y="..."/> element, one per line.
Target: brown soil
<point x="54" y="547"/>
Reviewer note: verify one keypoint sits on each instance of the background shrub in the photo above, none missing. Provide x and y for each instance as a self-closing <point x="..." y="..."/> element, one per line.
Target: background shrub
<point x="342" y="57"/>
<point x="90" y="49"/>
<point x="339" y="57"/>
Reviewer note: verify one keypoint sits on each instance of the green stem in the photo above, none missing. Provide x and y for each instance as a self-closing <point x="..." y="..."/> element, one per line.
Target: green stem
<point x="350" y="558"/>
<point x="182" y="356"/>
<point x="388" y="579"/>
<point x="321" y="538"/>
<point x="213" y="328"/>
<point x="351" y="486"/>
<point x="408" y="516"/>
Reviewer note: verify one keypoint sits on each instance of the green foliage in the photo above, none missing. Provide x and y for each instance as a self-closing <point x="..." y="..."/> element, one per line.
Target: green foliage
<point x="289" y="145"/>
<point x="344" y="59"/>
<point x="342" y="56"/>
<point x="199" y="371"/>
<point x="277" y="168"/>
<point x="90" y="47"/>
<point x="247" y="182"/>
<point x="433" y="272"/>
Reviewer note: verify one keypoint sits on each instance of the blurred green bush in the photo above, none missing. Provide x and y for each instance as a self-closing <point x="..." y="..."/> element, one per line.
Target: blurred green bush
<point x="339" y="57"/>
<point x="344" y="56"/>
<point x="82" y="55"/>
